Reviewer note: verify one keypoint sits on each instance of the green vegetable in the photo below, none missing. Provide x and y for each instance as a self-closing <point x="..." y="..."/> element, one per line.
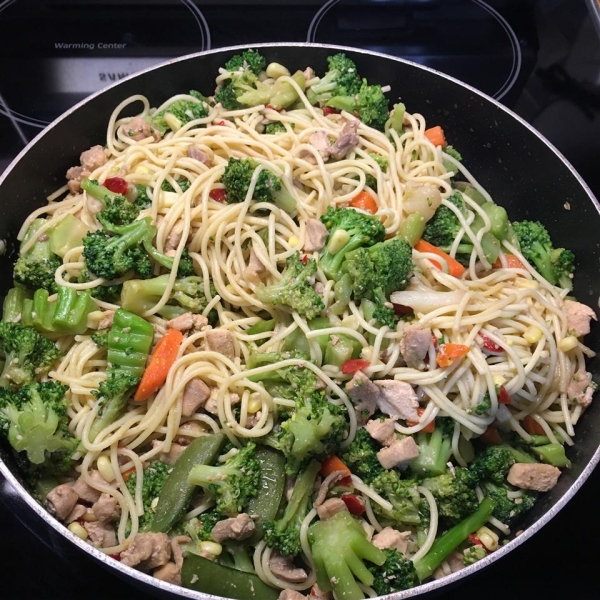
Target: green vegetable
<point x="243" y="88"/>
<point x="154" y="478"/>
<point x="176" y="493"/>
<point x="249" y="59"/>
<point x="274" y="128"/>
<point x="445" y="545"/>
<point x="435" y="450"/>
<point x="506" y="509"/>
<point x="340" y="547"/>
<point x="183" y="110"/>
<point x="344" y="349"/>
<point x="454" y="493"/>
<point x="397" y="118"/>
<point x="341" y="79"/>
<point x="472" y="554"/>
<point x="294" y="289"/>
<point x="117" y="211"/>
<point x="12" y="307"/>
<point x="412" y="228"/>
<point x="396" y="574"/>
<point x="361" y="456"/>
<point x="210" y="577"/>
<point x="284" y="534"/>
<point x="232" y="483"/>
<point x="66" y="235"/>
<point x="402" y="494"/>
<point x="283" y="94"/>
<point x="36" y="268"/>
<point x="553" y="454"/>
<point x="186" y="264"/>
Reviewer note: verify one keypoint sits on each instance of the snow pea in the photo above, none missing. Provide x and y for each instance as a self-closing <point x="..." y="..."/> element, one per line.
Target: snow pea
<point x="176" y="493"/>
<point x="206" y="576"/>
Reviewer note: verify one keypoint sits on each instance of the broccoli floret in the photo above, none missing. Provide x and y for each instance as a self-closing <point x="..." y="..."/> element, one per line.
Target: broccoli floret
<point x="493" y="464"/>
<point x="348" y="230"/>
<point x="434" y="452"/>
<point x="454" y="493"/>
<point x="275" y="127"/>
<point x="402" y="494"/>
<point x="315" y="429"/>
<point x="284" y="534"/>
<point x="183" y="183"/>
<point x="35" y="268"/>
<point x="341" y="79"/>
<point x="472" y="554"/>
<point x="105" y="293"/>
<point x="113" y="395"/>
<point x="269" y="188"/>
<point x="247" y="60"/>
<point x="508" y="510"/>
<point x="370" y="104"/>
<point x="340" y="547"/>
<point x="26" y="354"/>
<point x="378" y="271"/>
<point x="112" y="256"/>
<point x="233" y="483"/>
<point x="294" y="289"/>
<point x="183" y="111"/>
<point x="555" y="265"/>
<point x="482" y="407"/>
<point x="155" y="475"/>
<point x="138" y="296"/>
<point x="453" y="152"/>
<point x="200" y="530"/>
<point x="397" y="573"/>
<point x="361" y="456"/>
<point x="100" y="338"/>
<point x="142" y="199"/>
<point x="34" y="421"/>
<point x="441" y="230"/>
<point x="186" y="263"/>
<point x="117" y="210"/>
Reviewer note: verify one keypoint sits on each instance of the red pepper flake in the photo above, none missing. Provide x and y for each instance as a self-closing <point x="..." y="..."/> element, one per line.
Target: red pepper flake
<point x="489" y="344"/>
<point x="435" y="343"/>
<point x="116" y="556"/>
<point x="117" y="185"/>
<point x="220" y="123"/>
<point x="279" y="110"/>
<point x="475" y="540"/>
<point x="354" y="504"/>
<point x="328" y="110"/>
<point x="504" y="396"/>
<point x="218" y="194"/>
<point x="400" y="309"/>
<point x="305" y="259"/>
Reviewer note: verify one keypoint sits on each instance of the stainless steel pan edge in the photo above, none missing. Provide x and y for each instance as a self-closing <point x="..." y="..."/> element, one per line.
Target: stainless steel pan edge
<point x="168" y="590"/>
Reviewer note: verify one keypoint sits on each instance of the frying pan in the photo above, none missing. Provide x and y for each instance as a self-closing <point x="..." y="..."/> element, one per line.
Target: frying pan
<point x="519" y="168"/>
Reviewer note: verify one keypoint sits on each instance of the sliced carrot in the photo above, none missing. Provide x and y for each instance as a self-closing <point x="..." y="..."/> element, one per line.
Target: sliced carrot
<point x="530" y="425"/>
<point x="429" y="428"/>
<point x="448" y="353"/>
<point x="454" y="267"/>
<point x="436" y="136"/>
<point x="332" y="464"/>
<point x="491" y="437"/>
<point x="512" y="262"/>
<point x="161" y="361"/>
<point x="364" y="201"/>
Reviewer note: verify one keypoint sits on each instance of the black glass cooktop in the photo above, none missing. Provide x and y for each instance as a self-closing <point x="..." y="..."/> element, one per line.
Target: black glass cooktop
<point x="540" y="58"/>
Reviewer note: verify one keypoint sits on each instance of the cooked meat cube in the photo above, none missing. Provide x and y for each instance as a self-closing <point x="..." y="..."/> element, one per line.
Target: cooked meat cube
<point x="382" y="431"/>
<point x="102" y="533"/>
<point x="107" y="320"/>
<point x="291" y="595"/>
<point x="147" y="551"/>
<point x="197" y="154"/>
<point x="316" y="235"/>
<point x="137" y="129"/>
<point x="347" y="140"/>
<point x="222" y="341"/>
<point x="533" y="476"/>
<point x="75" y="175"/>
<point x="414" y="345"/>
<point x="331" y="507"/>
<point x="327" y="484"/>
<point x="195" y="394"/>
<point x="364" y="393"/>
<point x="391" y="538"/>
<point x="86" y="492"/>
<point x="63" y="499"/>
<point x="77" y="513"/>
<point x="397" y="399"/>
<point x="106" y="508"/>
<point x="398" y="454"/>
<point x="171" y="572"/>
<point x="284" y="568"/>
<point x="93" y="158"/>
<point x="170" y="457"/>
<point x="578" y="318"/>
<point x="581" y="389"/>
<point x="320" y="141"/>
<point x="174" y="237"/>
<point x="237" y="528"/>
<point x="255" y="267"/>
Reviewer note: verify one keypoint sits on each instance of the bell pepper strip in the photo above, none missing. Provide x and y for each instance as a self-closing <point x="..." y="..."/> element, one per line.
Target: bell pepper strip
<point x="450" y="353"/>
<point x="332" y="464"/>
<point x="436" y="136"/>
<point x="530" y="425"/>
<point x="475" y="540"/>
<point x="489" y="345"/>
<point x="504" y="396"/>
<point x="353" y="365"/>
<point x="264" y="506"/>
<point x="218" y="195"/>
<point x="354" y="504"/>
<point x="512" y="262"/>
<point x="454" y="267"/>
<point x="364" y="201"/>
<point x="429" y="428"/>
<point x="176" y="493"/>
<point x="161" y="361"/>
<point x="491" y="437"/>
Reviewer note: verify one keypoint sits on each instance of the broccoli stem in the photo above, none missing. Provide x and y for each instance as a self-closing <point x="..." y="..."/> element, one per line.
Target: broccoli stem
<point x="444" y="545"/>
<point x="111" y="411"/>
<point x="67" y="234"/>
<point x="98" y="191"/>
<point x="412" y="228"/>
<point x="283" y="93"/>
<point x="13" y="305"/>
<point x="397" y="119"/>
<point x="553" y="454"/>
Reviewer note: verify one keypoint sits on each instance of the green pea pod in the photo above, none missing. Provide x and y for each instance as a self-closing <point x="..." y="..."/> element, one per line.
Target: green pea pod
<point x="272" y="483"/>
<point x="176" y="493"/>
<point x="203" y="575"/>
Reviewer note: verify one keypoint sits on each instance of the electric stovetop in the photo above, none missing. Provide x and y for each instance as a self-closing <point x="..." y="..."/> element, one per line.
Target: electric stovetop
<point x="541" y="59"/>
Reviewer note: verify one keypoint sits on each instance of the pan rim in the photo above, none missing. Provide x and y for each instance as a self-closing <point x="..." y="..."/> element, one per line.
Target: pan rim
<point x="421" y="589"/>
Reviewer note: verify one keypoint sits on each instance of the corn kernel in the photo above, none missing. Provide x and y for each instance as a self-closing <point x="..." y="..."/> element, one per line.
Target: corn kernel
<point x="567" y="344"/>
<point x="276" y="70"/>
<point x="338" y="240"/>
<point x="351" y="322"/>
<point x="105" y="468"/>
<point x="78" y="530"/>
<point x="173" y="122"/>
<point x="293" y="241"/>
<point x="528" y="284"/>
<point x="498" y="380"/>
<point x="210" y="548"/>
<point x="488" y="538"/>
<point x="94" y="318"/>
<point x="532" y="334"/>
<point x="89" y="516"/>
<point x="255" y="403"/>
<point x="142" y="170"/>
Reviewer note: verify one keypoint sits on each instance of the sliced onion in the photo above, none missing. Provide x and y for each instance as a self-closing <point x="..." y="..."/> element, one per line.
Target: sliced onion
<point x="425" y="301"/>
